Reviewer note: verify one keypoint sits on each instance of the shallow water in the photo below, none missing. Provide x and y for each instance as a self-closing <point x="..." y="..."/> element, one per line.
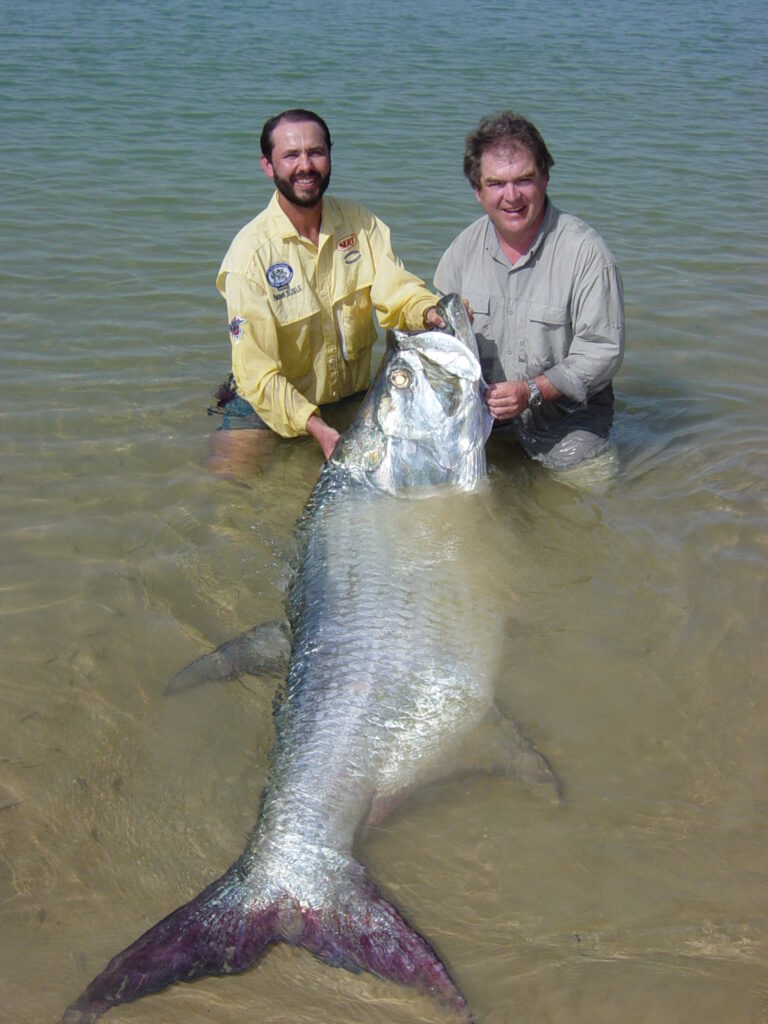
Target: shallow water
<point x="634" y="625"/>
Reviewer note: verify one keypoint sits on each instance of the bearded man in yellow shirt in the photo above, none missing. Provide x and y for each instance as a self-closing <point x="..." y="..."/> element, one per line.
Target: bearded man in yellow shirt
<point x="301" y="282"/>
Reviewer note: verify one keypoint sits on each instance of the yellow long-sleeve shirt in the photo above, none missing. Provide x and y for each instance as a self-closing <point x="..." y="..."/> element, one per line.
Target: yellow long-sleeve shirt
<point x="301" y="316"/>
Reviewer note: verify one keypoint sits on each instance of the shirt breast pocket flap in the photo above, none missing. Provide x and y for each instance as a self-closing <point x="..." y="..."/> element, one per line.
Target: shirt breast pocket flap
<point x="353" y="267"/>
<point x="479" y="303"/>
<point x="293" y="304"/>
<point x="549" y="333"/>
<point x="554" y="317"/>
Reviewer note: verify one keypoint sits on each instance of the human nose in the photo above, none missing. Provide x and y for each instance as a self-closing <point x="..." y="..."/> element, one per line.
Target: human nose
<point x="510" y="191"/>
<point x="304" y="162"/>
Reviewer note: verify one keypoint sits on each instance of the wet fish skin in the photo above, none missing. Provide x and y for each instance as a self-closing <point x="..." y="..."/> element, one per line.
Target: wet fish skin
<point x="383" y="693"/>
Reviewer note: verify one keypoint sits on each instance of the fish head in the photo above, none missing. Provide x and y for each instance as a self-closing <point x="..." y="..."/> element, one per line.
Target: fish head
<point x="423" y="422"/>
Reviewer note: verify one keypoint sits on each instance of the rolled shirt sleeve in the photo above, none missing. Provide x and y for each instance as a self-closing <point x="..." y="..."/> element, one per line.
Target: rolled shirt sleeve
<point x="597" y="347"/>
<point x="400" y="298"/>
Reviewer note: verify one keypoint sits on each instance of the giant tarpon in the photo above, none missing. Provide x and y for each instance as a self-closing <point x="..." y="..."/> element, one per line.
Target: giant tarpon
<point x="389" y="686"/>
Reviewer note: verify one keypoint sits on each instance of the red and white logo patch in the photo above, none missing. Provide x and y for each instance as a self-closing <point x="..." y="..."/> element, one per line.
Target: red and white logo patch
<point x="346" y="243"/>
<point x="235" y="327"/>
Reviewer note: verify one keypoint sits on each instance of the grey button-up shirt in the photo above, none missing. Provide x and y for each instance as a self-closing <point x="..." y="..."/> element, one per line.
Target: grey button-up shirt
<point x="559" y="310"/>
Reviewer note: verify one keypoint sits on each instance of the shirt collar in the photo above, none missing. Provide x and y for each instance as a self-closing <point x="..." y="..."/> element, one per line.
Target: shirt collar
<point x="550" y="216"/>
<point x="281" y="221"/>
<point x="330" y="220"/>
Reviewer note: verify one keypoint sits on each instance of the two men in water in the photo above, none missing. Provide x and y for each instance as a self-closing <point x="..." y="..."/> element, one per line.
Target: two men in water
<point x="302" y="280"/>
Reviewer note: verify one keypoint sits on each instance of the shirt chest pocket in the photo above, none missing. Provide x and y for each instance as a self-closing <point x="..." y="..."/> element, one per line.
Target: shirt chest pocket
<point x="352" y="301"/>
<point x="548" y="336"/>
<point x="480" y="304"/>
<point x="355" y="319"/>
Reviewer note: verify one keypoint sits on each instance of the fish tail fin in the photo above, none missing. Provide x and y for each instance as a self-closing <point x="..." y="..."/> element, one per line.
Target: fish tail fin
<point x="225" y="928"/>
<point x="220" y="931"/>
<point x="361" y="931"/>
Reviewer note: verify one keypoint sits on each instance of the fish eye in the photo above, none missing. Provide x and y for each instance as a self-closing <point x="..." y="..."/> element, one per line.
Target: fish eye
<point x="400" y="378"/>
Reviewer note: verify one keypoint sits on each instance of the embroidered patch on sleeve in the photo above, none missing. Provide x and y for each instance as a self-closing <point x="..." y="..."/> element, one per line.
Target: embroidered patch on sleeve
<point x="235" y="328"/>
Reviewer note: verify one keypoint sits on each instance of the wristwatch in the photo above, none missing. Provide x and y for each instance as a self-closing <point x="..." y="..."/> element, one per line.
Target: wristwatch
<point x="535" y="397"/>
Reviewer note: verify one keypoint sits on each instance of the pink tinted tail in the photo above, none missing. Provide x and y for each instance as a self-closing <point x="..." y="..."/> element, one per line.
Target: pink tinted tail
<point x="215" y="933"/>
<point x="226" y="928"/>
<point x="363" y="932"/>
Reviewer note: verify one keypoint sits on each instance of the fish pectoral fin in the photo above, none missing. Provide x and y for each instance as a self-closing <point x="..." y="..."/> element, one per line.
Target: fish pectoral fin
<point x="263" y="650"/>
<point x="360" y="931"/>
<point x="218" y="932"/>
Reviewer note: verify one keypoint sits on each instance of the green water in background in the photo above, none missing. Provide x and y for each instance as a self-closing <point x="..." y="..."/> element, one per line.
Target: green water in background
<point x="635" y="628"/>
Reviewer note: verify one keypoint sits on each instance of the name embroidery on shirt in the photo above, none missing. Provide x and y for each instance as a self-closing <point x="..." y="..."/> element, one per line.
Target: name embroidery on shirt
<point x="279" y="296"/>
<point x="346" y="243"/>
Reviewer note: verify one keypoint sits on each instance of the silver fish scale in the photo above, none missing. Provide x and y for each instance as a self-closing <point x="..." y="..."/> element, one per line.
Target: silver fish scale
<point x="381" y="680"/>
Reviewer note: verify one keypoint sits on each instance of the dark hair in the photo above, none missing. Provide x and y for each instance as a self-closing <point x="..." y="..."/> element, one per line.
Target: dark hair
<point x="293" y="116"/>
<point x="505" y="130"/>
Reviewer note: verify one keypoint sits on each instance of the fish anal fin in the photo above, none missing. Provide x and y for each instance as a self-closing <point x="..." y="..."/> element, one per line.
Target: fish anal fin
<point x="263" y="650"/>
<point x="497" y="746"/>
<point x="502" y="748"/>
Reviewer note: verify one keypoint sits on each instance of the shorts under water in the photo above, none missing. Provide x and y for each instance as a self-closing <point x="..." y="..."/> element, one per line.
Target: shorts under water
<point x="238" y="414"/>
<point x="235" y="412"/>
<point x="561" y="434"/>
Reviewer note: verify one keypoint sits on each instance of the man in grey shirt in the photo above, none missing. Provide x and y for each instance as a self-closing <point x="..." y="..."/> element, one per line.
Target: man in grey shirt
<point x="546" y="296"/>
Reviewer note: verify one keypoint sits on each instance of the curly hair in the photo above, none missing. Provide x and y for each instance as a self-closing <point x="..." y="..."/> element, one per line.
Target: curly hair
<point x="505" y="130"/>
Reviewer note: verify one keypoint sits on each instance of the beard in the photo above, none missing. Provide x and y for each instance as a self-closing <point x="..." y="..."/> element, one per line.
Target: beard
<point x="285" y="187"/>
